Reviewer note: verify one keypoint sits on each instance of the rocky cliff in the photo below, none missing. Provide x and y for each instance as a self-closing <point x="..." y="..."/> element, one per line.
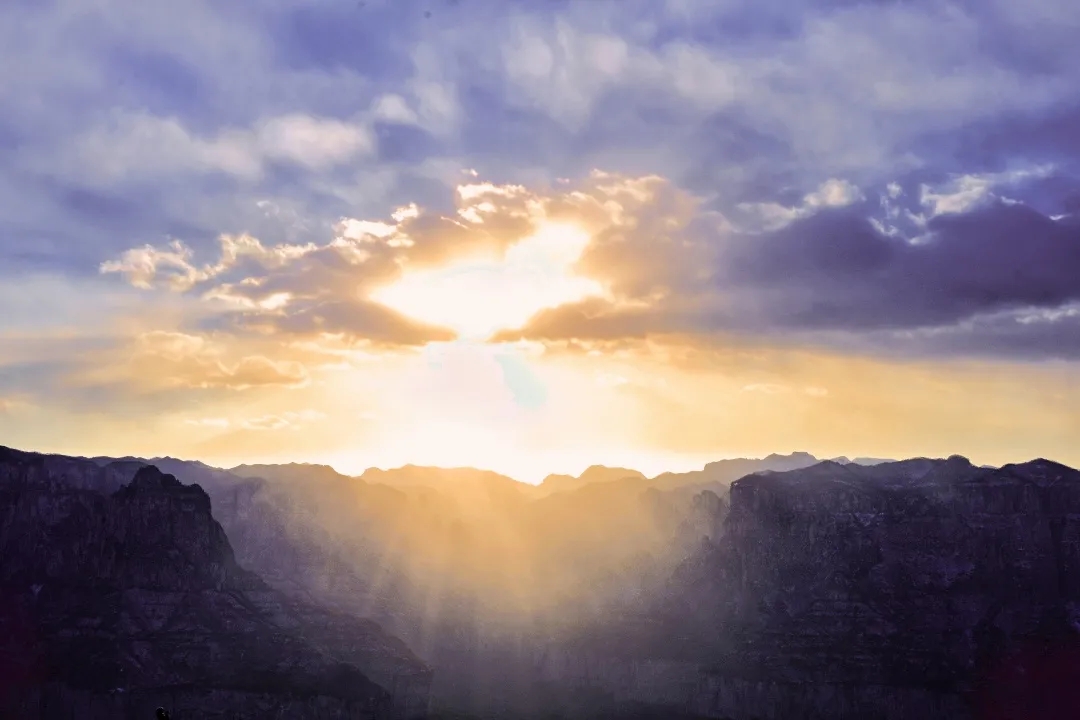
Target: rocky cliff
<point x="921" y="588"/>
<point x="119" y="592"/>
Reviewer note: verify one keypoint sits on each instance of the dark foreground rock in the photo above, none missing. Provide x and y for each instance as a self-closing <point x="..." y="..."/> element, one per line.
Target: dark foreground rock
<point x="116" y="598"/>
<point x="922" y="588"/>
<point x="916" y="589"/>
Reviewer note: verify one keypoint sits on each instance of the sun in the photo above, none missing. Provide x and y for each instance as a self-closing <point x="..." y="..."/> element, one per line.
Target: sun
<point x="477" y="298"/>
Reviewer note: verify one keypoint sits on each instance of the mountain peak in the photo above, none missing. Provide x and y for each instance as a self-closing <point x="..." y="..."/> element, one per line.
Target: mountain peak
<point x="600" y="473"/>
<point x="593" y="474"/>
<point x="149" y="481"/>
<point x="149" y="476"/>
<point x="289" y="472"/>
<point x="1043" y="471"/>
<point x="797" y="456"/>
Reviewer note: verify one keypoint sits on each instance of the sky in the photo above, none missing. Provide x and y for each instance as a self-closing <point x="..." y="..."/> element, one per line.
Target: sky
<point x="534" y="236"/>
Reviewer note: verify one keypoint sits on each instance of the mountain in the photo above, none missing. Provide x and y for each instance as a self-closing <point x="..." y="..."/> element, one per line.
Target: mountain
<point x="471" y="492"/>
<point x="301" y="472"/>
<point x="714" y="476"/>
<point x="861" y="461"/>
<point x="119" y="591"/>
<point x="718" y="475"/>
<point x="920" y="588"/>
<point x="325" y="537"/>
<point x="925" y="587"/>
<point x="466" y="566"/>
<point x="439" y="478"/>
<point x="592" y="474"/>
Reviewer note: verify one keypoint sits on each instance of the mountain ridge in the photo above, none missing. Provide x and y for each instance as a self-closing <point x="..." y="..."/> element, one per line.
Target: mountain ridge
<point x="436" y="477"/>
<point x="620" y="588"/>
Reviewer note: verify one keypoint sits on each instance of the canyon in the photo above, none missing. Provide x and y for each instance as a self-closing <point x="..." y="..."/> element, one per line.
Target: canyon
<point x="762" y="589"/>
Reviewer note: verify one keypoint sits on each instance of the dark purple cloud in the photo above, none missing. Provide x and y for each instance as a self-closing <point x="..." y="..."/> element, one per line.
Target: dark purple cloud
<point x="995" y="278"/>
<point x="837" y="271"/>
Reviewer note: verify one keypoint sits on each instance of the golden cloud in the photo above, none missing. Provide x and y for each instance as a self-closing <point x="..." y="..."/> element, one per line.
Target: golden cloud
<point x="656" y="262"/>
<point x="165" y="359"/>
<point x="639" y="249"/>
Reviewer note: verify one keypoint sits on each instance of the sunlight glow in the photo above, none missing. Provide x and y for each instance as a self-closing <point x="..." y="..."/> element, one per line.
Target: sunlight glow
<point x="478" y="297"/>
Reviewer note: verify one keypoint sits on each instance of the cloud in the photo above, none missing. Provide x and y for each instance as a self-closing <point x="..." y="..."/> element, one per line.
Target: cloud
<point x="329" y="287"/>
<point x="11" y="405"/>
<point x="836" y="271"/>
<point x="1028" y="334"/>
<point x="393" y="108"/>
<point x="838" y="172"/>
<point x="969" y="192"/>
<point x="162" y="360"/>
<point x="173" y="266"/>
<point x="831" y="271"/>
<point x="289" y="420"/>
<point x="832" y="193"/>
<point x="835" y="267"/>
<point x="132" y="147"/>
<point x="173" y="120"/>
<point x="563" y="70"/>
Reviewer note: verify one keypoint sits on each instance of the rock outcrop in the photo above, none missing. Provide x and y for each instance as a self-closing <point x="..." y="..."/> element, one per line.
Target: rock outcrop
<point x="921" y="588"/>
<point x="119" y="592"/>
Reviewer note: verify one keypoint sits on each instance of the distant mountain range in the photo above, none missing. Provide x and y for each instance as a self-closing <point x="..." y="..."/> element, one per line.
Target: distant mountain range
<point x="722" y="471"/>
<point x="439" y="478"/>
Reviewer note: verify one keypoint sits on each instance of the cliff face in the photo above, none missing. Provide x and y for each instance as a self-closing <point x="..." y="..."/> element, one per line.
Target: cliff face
<point x="116" y="598"/>
<point x="923" y="588"/>
<point x="912" y="589"/>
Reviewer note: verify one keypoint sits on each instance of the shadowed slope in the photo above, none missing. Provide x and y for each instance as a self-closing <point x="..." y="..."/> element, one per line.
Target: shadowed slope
<point x="119" y="597"/>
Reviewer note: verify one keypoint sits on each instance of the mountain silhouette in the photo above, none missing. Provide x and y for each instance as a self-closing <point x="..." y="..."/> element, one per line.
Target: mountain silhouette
<point x="923" y="587"/>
